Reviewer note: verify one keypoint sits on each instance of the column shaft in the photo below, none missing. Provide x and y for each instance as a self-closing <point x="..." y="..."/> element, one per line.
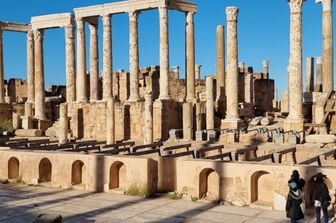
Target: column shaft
<point x="198" y="71"/>
<point x="190" y="57"/>
<point x="164" y="54"/>
<point x="107" y="61"/>
<point x="309" y="74"/>
<point x="110" y="122"/>
<point x="2" y="79"/>
<point x="94" y="66"/>
<point x="318" y="83"/>
<point x="30" y="67"/>
<point x="70" y="64"/>
<point x="39" y="76"/>
<point x="148" y="133"/>
<point x="187" y="121"/>
<point x="81" y="62"/>
<point x="134" y="57"/>
<point x="63" y="123"/>
<point x="220" y="63"/>
<point x="210" y="115"/>
<point x="266" y="69"/>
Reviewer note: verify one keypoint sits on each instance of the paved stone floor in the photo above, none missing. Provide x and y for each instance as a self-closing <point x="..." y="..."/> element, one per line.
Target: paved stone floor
<point x="20" y="203"/>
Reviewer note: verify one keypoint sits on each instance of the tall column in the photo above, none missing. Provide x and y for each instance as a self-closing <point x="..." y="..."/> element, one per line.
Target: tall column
<point x="63" y="123"/>
<point x="164" y="54"/>
<point x="327" y="46"/>
<point x="148" y="133"/>
<point x="39" y="76"/>
<point x="187" y="121"/>
<point x="2" y="82"/>
<point x="30" y="67"/>
<point x="94" y="66"/>
<point x="190" y="57"/>
<point x="220" y="63"/>
<point x="70" y="61"/>
<point x="107" y="61"/>
<point x="210" y="113"/>
<point x="198" y="116"/>
<point x="134" y="57"/>
<point x="266" y="69"/>
<point x="81" y="61"/>
<point x="232" y="119"/>
<point x="110" y="122"/>
<point x="318" y="83"/>
<point x="294" y="120"/>
<point x="198" y="71"/>
<point x="309" y="74"/>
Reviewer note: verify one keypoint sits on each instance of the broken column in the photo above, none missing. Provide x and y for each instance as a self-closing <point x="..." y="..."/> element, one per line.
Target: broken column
<point x="187" y="121"/>
<point x="295" y="120"/>
<point x="2" y="79"/>
<point x="39" y="76"/>
<point x="110" y="122"/>
<point x="198" y="71"/>
<point x="30" y="67"/>
<point x="107" y="58"/>
<point x="81" y="61"/>
<point x="220" y="63"/>
<point x="190" y="57"/>
<point x="148" y="133"/>
<point x="134" y="57"/>
<point x="266" y="69"/>
<point x="309" y="74"/>
<point x="70" y="63"/>
<point x="164" y="54"/>
<point x="63" y="123"/>
<point x="327" y="46"/>
<point x="318" y="82"/>
<point x="94" y="66"/>
<point x="232" y="119"/>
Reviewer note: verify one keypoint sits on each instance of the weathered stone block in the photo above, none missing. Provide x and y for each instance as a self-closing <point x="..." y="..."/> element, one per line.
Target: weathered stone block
<point x="321" y="138"/>
<point x="28" y="132"/>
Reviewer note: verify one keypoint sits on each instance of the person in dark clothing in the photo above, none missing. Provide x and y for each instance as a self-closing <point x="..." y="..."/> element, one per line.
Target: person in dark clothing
<point x="294" y="199"/>
<point x="295" y="177"/>
<point x="321" y="198"/>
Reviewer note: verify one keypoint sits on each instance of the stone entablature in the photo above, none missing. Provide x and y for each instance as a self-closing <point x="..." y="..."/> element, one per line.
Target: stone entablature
<point x="51" y="21"/>
<point x="14" y="27"/>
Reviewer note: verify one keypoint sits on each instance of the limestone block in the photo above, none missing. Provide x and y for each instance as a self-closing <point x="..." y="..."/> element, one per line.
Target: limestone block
<point x="266" y="121"/>
<point x="211" y="135"/>
<point x="200" y="135"/>
<point x="16" y="121"/>
<point x="293" y="138"/>
<point x="322" y="138"/>
<point x="279" y="202"/>
<point x="278" y="138"/>
<point x="43" y="125"/>
<point x="256" y="121"/>
<point x="28" y="132"/>
<point x="27" y="122"/>
<point x="228" y="138"/>
<point x="247" y="138"/>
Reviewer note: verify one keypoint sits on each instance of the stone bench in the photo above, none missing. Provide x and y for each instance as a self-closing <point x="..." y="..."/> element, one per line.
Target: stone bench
<point x="172" y="149"/>
<point x="220" y="156"/>
<point x="146" y="152"/>
<point x="319" y="158"/>
<point x="155" y="145"/>
<point x="201" y="152"/>
<point x="263" y="158"/>
<point x="83" y="149"/>
<point x="278" y="154"/>
<point x="235" y="153"/>
<point x="117" y="148"/>
<point x="186" y="153"/>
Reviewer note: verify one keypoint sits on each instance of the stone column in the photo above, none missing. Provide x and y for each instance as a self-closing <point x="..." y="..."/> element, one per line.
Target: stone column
<point x="232" y="119"/>
<point x="148" y="133"/>
<point x="28" y="109"/>
<point x="295" y="120"/>
<point x="70" y="63"/>
<point x="190" y="57"/>
<point x="318" y="82"/>
<point x="241" y="66"/>
<point x="134" y="57"/>
<point x="107" y="61"/>
<point x="176" y="70"/>
<point x="81" y="61"/>
<point x="94" y="66"/>
<point x="30" y="67"/>
<point x="309" y="74"/>
<point x="110" y="122"/>
<point x="164" y="54"/>
<point x="266" y="69"/>
<point x="327" y="46"/>
<point x="2" y="79"/>
<point x="198" y="71"/>
<point x="198" y="116"/>
<point x="39" y="76"/>
<point x="187" y="121"/>
<point x="220" y="63"/>
<point x="63" y="123"/>
<point x="210" y="113"/>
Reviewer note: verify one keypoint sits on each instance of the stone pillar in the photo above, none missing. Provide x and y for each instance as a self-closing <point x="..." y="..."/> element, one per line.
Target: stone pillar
<point x="39" y="76"/>
<point x="107" y="61"/>
<point x="187" y="121"/>
<point x="266" y="69"/>
<point x="318" y="82"/>
<point x="81" y="61"/>
<point x="241" y="66"/>
<point x="164" y="54"/>
<point x="28" y="109"/>
<point x="232" y="119"/>
<point x="198" y="116"/>
<point x="148" y="133"/>
<point x="134" y="57"/>
<point x="176" y="70"/>
<point x="190" y="57"/>
<point x="63" y="123"/>
<point x="294" y="121"/>
<point x="198" y="71"/>
<point x="70" y="61"/>
<point x="309" y="74"/>
<point x="327" y="46"/>
<point x="30" y="67"/>
<point x="210" y="113"/>
<point x="220" y="63"/>
<point x="94" y="66"/>
<point x="2" y="78"/>
<point x="248" y="79"/>
<point x="110" y="122"/>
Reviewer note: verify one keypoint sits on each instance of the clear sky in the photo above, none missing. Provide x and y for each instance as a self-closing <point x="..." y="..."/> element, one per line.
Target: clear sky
<point x="263" y="33"/>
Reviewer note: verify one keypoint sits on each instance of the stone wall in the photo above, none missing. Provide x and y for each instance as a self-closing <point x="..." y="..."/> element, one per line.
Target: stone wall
<point x="17" y="89"/>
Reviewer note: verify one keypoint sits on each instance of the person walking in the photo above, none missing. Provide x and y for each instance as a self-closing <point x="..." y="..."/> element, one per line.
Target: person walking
<point x="297" y="179"/>
<point x="321" y="198"/>
<point x="294" y="199"/>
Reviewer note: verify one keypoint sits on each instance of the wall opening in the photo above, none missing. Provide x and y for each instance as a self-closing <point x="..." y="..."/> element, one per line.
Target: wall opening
<point x="77" y="172"/>
<point x="262" y="188"/>
<point x="45" y="169"/>
<point x="209" y="184"/>
<point x="118" y="176"/>
<point x="308" y="189"/>
<point x="13" y="168"/>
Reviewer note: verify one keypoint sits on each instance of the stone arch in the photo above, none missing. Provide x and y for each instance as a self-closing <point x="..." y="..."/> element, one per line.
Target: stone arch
<point x="209" y="184"/>
<point x="117" y="175"/>
<point x="262" y="188"/>
<point x="77" y="172"/>
<point x="308" y="189"/>
<point x="13" y="168"/>
<point x="45" y="170"/>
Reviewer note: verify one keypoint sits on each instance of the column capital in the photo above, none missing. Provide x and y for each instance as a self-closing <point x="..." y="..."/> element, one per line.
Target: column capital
<point x="133" y="15"/>
<point x="319" y="60"/>
<point x="106" y="20"/>
<point x="163" y="12"/>
<point x="190" y="17"/>
<point x="232" y="13"/>
<point x="326" y="4"/>
<point x="38" y="34"/>
<point x="93" y="28"/>
<point x="30" y="35"/>
<point x="80" y="23"/>
<point x="295" y="6"/>
<point x="69" y="31"/>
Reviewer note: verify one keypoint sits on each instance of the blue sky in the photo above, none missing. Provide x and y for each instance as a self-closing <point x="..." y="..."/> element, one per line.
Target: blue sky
<point x="263" y="33"/>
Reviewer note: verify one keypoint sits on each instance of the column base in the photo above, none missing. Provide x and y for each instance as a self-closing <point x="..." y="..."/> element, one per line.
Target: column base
<point x="294" y="125"/>
<point x="232" y="124"/>
<point x="164" y="97"/>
